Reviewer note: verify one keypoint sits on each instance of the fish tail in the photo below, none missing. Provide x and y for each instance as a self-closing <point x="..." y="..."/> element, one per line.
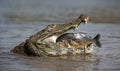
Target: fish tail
<point x="96" y="40"/>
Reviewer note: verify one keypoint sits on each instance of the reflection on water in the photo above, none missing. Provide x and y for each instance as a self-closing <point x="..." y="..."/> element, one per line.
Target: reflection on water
<point x="63" y="63"/>
<point x="21" y="18"/>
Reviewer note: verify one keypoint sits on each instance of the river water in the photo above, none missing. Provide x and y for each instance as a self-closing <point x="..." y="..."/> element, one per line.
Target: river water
<point x="20" y="19"/>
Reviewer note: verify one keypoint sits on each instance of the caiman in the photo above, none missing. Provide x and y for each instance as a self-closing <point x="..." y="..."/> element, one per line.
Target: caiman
<point x="36" y="45"/>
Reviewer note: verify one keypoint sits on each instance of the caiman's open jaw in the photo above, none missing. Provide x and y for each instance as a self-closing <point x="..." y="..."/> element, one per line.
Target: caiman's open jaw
<point x="52" y="38"/>
<point x="59" y="29"/>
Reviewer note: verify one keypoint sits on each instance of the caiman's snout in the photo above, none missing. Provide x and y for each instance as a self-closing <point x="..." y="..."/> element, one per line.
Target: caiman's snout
<point x="81" y="19"/>
<point x="84" y="19"/>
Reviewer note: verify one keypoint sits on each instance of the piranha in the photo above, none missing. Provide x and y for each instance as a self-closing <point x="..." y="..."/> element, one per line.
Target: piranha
<point x="80" y="41"/>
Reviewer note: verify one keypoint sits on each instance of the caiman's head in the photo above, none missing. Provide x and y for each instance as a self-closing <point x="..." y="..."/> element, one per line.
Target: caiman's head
<point x="53" y="29"/>
<point x="81" y="19"/>
<point x="84" y="18"/>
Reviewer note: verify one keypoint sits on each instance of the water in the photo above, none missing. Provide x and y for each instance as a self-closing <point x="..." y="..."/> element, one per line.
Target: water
<point x="21" y="18"/>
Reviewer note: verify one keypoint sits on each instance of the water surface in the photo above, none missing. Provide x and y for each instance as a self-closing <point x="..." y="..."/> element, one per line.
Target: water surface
<point x="20" y="19"/>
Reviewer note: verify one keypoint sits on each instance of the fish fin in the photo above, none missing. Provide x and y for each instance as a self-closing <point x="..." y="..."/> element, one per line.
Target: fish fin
<point x="96" y="40"/>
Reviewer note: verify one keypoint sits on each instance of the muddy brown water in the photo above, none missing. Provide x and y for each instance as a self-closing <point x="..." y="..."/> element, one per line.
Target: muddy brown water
<point x="21" y="18"/>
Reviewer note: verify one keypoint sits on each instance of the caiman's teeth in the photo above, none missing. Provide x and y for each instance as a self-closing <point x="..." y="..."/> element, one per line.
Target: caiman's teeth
<point x="86" y="20"/>
<point x="86" y="23"/>
<point x="76" y="28"/>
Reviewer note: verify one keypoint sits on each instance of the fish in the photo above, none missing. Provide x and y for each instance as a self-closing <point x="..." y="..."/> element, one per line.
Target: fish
<point x="79" y="42"/>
